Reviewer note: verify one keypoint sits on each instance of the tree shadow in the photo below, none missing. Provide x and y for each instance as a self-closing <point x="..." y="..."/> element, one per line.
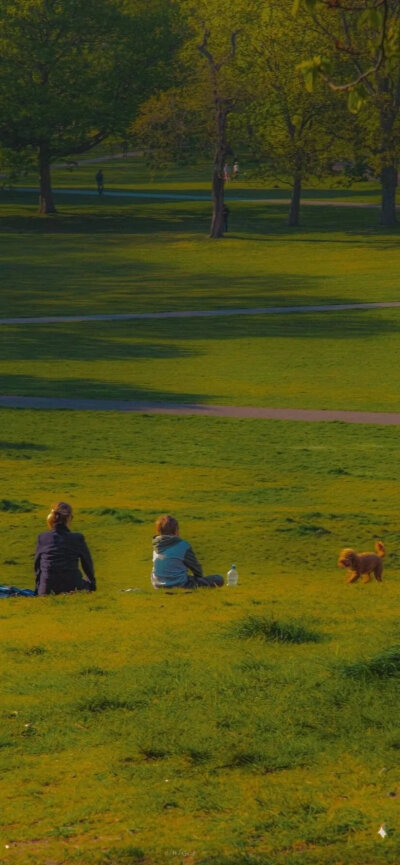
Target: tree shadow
<point x="81" y="215"/>
<point x="23" y="385"/>
<point x="138" y="341"/>
<point x="22" y="446"/>
<point x="86" y="341"/>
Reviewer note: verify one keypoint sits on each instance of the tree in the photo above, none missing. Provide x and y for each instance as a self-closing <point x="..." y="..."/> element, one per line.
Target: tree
<point x="292" y="132"/>
<point x="212" y="83"/>
<point x="72" y="72"/>
<point x="364" y="61"/>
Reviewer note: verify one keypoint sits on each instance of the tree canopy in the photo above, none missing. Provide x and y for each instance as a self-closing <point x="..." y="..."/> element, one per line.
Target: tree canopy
<point x="361" y="57"/>
<point x="73" y="71"/>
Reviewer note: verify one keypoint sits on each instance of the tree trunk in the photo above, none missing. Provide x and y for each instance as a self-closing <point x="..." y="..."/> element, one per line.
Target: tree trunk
<point x="388" y="202"/>
<point x="388" y="150"/>
<point x="46" y="203"/>
<point x="294" y="211"/>
<point x="218" y="219"/>
<point x="218" y="183"/>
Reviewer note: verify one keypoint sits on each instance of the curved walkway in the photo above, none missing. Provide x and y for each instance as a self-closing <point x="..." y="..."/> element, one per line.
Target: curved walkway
<point x="224" y="411"/>
<point x="182" y="196"/>
<point x="199" y="313"/>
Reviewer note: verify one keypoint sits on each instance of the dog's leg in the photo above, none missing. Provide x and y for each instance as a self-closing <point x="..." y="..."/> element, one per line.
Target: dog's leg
<point x="366" y="578"/>
<point x="353" y="577"/>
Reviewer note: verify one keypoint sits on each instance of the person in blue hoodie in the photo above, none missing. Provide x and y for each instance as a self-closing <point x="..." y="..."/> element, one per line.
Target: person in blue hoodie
<point x="58" y="555"/>
<point x="173" y="558"/>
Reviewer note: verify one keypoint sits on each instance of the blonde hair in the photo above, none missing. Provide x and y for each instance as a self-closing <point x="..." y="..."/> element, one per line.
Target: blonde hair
<point x="59" y="515"/>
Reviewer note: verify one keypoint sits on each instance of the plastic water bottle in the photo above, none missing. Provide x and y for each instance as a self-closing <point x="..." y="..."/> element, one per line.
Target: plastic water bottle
<point x="232" y="576"/>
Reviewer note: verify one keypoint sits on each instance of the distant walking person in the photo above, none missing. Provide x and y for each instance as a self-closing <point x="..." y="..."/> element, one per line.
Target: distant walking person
<point x="100" y="181"/>
<point x="225" y="214"/>
<point x="235" y="170"/>
<point x="226" y="171"/>
<point x="58" y="553"/>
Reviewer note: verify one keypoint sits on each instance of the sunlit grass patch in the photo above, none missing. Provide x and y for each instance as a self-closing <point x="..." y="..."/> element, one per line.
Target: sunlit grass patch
<point x="147" y="725"/>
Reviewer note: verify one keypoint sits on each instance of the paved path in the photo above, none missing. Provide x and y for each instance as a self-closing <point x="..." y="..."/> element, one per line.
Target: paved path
<point x="172" y="196"/>
<point x="199" y="313"/>
<point x="41" y="402"/>
<point x="93" y="160"/>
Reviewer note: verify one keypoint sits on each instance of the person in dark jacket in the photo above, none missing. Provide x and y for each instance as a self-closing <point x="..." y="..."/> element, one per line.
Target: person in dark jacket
<point x="58" y="553"/>
<point x="100" y="181"/>
<point x="173" y="558"/>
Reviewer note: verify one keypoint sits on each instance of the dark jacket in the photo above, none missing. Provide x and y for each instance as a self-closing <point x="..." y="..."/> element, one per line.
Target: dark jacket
<point x="57" y="557"/>
<point x="172" y="558"/>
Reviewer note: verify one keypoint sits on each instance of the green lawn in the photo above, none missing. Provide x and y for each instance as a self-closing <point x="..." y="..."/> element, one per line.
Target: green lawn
<point x="247" y="726"/>
<point x="317" y="360"/>
<point x="123" y="256"/>
<point x="113" y="257"/>
<point x="126" y="722"/>
<point x="133" y="173"/>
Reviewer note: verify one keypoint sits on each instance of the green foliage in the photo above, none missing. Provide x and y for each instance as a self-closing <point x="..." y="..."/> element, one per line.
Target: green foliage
<point x="364" y="54"/>
<point x="72" y="73"/>
<point x="355" y="99"/>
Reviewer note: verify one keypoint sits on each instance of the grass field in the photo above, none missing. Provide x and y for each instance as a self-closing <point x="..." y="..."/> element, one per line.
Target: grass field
<point x="247" y="726"/>
<point x="139" y="732"/>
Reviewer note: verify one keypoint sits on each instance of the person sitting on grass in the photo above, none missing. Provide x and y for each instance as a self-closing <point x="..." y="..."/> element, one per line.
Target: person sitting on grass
<point x="58" y="553"/>
<point x="173" y="557"/>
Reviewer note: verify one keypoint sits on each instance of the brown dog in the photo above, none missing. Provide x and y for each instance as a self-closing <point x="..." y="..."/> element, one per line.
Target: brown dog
<point x="363" y="563"/>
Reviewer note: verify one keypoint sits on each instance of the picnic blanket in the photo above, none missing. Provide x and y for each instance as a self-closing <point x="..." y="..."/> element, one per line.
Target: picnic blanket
<point x="13" y="592"/>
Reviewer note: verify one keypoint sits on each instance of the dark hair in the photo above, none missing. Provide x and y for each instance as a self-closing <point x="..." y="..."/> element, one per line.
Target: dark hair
<point x="167" y="525"/>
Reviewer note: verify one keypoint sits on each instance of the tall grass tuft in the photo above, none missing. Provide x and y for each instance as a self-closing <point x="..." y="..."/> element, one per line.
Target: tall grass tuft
<point x="270" y="629"/>
<point x="16" y="507"/>
<point x="125" y="856"/>
<point x="120" y="515"/>
<point x="383" y="666"/>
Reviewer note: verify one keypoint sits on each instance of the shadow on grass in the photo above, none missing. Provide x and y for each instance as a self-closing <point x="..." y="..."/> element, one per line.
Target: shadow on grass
<point x="16" y="507"/>
<point x="138" y="216"/>
<point x="87" y="341"/>
<point x="140" y="340"/>
<point x="23" y="446"/>
<point x="23" y="385"/>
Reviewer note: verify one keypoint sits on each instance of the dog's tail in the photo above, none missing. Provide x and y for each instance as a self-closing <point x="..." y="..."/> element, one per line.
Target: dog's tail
<point x="380" y="549"/>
